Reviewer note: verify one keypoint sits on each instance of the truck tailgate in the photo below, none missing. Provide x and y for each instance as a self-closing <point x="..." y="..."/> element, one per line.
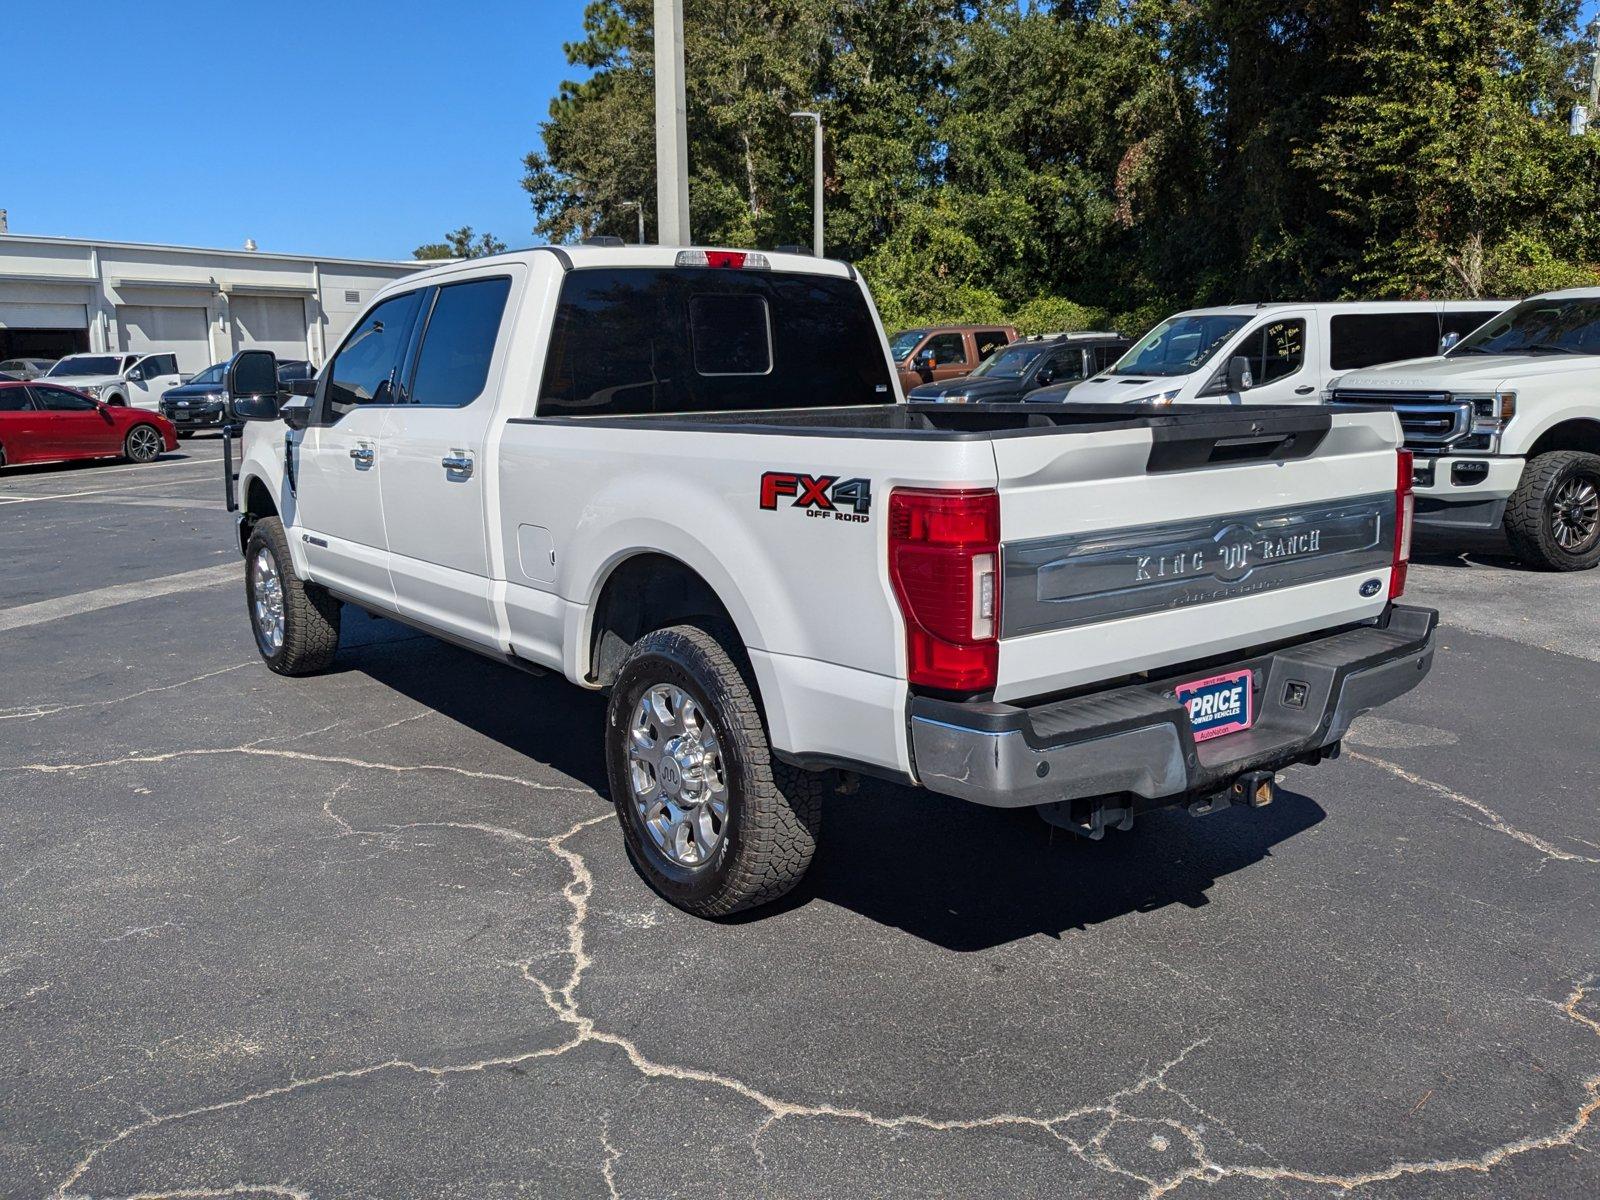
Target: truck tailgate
<point x="1170" y="545"/>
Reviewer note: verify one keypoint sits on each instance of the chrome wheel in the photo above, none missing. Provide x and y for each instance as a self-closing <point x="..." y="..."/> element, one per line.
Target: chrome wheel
<point x="144" y="443"/>
<point x="266" y="607"/>
<point x="680" y="784"/>
<point x="1575" y="514"/>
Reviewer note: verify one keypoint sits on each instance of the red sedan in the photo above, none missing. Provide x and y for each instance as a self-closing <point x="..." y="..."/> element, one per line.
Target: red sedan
<point x="41" y="422"/>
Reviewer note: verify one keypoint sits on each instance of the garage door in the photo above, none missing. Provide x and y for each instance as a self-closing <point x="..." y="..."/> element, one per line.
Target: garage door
<point x="42" y="330"/>
<point x="276" y="323"/>
<point x="148" y="327"/>
<point x="43" y="316"/>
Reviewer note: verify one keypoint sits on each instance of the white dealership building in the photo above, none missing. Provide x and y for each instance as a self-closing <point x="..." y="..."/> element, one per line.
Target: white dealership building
<point x="62" y="295"/>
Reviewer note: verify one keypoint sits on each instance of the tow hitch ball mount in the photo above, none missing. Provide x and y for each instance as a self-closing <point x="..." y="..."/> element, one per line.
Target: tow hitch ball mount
<point x="1255" y="788"/>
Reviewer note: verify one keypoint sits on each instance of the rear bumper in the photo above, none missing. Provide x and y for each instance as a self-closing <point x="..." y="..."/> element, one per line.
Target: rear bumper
<point x="1136" y="739"/>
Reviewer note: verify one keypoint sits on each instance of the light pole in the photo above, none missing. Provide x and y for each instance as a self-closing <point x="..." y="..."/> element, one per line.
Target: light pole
<point x="1584" y="115"/>
<point x="637" y="206"/>
<point x="672" y="128"/>
<point x="816" y="178"/>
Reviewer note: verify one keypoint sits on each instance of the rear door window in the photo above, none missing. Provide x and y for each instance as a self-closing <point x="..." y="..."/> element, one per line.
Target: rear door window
<point x="363" y="370"/>
<point x="458" y="342"/>
<point x="988" y="341"/>
<point x="1367" y="339"/>
<point x="635" y="340"/>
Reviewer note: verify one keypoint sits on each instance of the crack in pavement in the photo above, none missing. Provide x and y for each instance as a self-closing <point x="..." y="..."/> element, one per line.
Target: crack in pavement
<point x="29" y="712"/>
<point x="256" y="751"/>
<point x="1492" y="820"/>
<point x="237" y="1189"/>
<point x="1108" y="1115"/>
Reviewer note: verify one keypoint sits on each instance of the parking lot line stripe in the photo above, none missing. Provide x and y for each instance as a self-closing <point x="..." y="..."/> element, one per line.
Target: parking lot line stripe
<point x="126" y="487"/>
<point x="39" y="612"/>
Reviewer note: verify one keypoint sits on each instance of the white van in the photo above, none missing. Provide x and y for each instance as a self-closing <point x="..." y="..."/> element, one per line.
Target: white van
<point x="1277" y="353"/>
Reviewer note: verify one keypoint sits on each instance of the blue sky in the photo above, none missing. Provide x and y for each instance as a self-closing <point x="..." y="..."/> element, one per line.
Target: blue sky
<point x="345" y="127"/>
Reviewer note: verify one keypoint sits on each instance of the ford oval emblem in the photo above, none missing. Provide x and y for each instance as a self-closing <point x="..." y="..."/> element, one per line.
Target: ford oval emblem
<point x="1371" y="586"/>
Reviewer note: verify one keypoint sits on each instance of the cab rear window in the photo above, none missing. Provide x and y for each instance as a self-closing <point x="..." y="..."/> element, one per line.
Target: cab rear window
<point x="634" y="341"/>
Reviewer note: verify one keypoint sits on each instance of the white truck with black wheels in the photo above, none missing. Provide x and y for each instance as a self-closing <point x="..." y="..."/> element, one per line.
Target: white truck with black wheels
<point x="685" y="477"/>
<point x="1505" y="427"/>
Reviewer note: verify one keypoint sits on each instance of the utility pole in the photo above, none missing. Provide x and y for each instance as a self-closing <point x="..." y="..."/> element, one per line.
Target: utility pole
<point x="637" y="206"/>
<point x="672" y="128"/>
<point x="1583" y="114"/>
<point x="816" y="178"/>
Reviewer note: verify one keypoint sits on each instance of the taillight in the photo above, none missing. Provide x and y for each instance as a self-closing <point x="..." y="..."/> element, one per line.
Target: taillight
<point x="944" y="565"/>
<point x="1405" y="504"/>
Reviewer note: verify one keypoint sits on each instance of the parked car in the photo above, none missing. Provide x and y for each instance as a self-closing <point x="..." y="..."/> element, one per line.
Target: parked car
<point x="1053" y="361"/>
<point x="1505" y="427"/>
<point x="200" y="403"/>
<point x="594" y="462"/>
<point x="937" y="352"/>
<point x="138" y="380"/>
<point x="41" y="422"/>
<point x="26" y="368"/>
<point x="1277" y="353"/>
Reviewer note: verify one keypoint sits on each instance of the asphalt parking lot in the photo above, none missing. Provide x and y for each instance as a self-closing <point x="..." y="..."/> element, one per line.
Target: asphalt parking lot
<point x="373" y="934"/>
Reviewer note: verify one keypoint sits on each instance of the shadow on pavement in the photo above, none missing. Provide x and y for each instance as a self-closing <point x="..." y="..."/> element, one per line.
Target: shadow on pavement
<point x="955" y="874"/>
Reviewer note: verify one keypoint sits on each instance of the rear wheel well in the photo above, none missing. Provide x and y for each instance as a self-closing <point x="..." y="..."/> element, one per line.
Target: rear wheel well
<point x="644" y="593"/>
<point x="1569" y="435"/>
<point x="257" y="504"/>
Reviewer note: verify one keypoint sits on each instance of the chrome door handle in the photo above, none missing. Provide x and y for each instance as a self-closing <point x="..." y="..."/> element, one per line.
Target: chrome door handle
<point x="457" y="463"/>
<point x="362" y="454"/>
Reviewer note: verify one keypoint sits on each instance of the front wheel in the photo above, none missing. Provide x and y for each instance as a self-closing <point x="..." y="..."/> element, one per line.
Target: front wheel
<point x="143" y="444"/>
<point x="296" y="624"/>
<point x="712" y="820"/>
<point x="1553" y="518"/>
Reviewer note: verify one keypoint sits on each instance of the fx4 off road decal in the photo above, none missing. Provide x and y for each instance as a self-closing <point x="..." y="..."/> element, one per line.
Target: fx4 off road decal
<point x="818" y="495"/>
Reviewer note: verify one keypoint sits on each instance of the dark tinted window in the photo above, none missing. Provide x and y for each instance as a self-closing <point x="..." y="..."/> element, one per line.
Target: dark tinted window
<point x="1367" y="339"/>
<point x="362" y="372"/>
<point x="1539" y="326"/>
<point x="623" y="344"/>
<point x="731" y="335"/>
<point x="14" y="399"/>
<point x="1463" y="323"/>
<point x="989" y="340"/>
<point x="1280" y="351"/>
<point x="948" y="349"/>
<point x="1063" y="365"/>
<point x="160" y="364"/>
<point x="57" y="400"/>
<point x="458" y="342"/>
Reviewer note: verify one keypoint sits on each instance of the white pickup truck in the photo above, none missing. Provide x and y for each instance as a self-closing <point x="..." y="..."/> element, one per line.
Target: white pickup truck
<point x="1505" y="427"/>
<point x="686" y="477"/>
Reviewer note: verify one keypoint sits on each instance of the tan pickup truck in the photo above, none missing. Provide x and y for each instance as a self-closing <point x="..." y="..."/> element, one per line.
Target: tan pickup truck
<point x="934" y="352"/>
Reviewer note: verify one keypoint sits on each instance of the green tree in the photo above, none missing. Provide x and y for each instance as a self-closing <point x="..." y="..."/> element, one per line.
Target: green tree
<point x="461" y="243"/>
<point x="1450" y="161"/>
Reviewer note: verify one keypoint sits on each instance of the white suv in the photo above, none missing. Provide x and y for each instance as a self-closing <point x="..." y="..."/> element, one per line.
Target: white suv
<point x="134" y="379"/>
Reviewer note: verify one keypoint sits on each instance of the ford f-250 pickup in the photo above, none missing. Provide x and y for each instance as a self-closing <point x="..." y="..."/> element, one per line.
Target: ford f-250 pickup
<point x="685" y="477"/>
<point x="1505" y="427"/>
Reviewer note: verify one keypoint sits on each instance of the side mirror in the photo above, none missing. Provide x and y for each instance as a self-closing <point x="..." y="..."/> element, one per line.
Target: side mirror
<point x="1046" y="377"/>
<point x="1239" y="377"/>
<point x="927" y="358"/>
<point x="251" y="386"/>
<point x="136" y="375"/>
<point x="303" y="387"/>
<point x="1447" y="341"/>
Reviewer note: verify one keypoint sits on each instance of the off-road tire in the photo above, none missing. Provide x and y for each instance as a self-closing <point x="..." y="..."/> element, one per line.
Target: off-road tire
<point x="140" y="454"/>
<point x="1529" y="512"/>
<point x="774" y="810"/>
<point x="310" y="614"/>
